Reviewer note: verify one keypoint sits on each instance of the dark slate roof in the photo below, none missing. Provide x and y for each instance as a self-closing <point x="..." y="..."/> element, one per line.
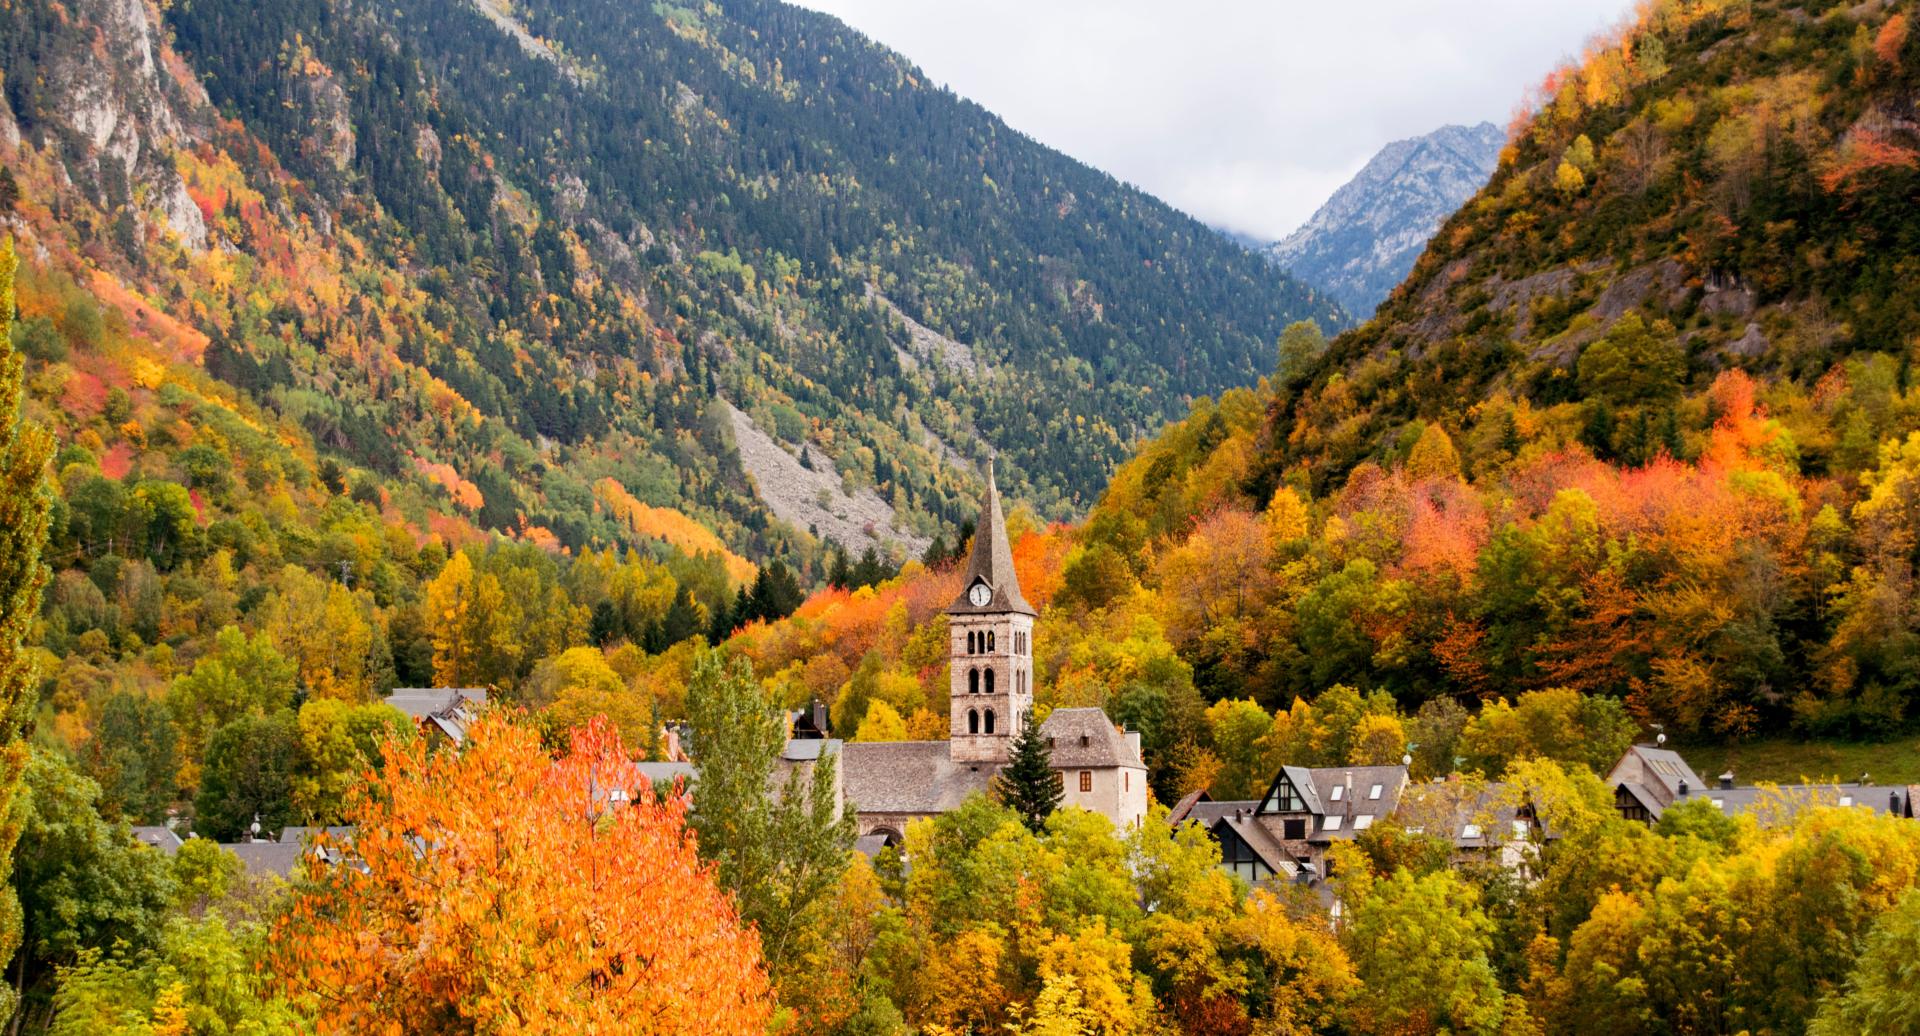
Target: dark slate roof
<point x="1243" y="823"/>
<point x="991" y="561"/>
<point x="658" y="772"/>
<point x="275" y="858"/>
<point x="159" y="836"/>
<point x="1208" y="811"/>
<point x="1787" y="799"/>
<point x="426" y="702"/>
<point x="806" y="750"/>
<point x="1085" y="739"/>
<point x="1184" y="808"/>
<point x="908" y="776"/>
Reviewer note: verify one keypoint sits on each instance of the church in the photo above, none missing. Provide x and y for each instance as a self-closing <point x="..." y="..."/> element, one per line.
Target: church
<point x="989" y="696"/>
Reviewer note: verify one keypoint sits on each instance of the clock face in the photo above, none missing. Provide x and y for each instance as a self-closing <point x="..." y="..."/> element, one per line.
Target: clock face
<point x="979" y="595"/>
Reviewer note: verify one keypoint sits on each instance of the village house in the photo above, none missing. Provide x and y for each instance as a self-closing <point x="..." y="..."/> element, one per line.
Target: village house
<point x="1284" y="836"/>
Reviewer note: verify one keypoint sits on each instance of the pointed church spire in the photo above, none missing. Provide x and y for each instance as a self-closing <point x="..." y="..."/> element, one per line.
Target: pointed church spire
<point x="991" y="562"/>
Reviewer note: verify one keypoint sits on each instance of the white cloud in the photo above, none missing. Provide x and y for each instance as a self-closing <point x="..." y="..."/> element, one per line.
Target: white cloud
<point x="1246" y="113"/>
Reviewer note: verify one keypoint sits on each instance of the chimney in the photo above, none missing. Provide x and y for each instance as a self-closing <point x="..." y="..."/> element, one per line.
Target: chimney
<point x="1893" y="802"/>
<point x="1726" y="781"/>
<point x="1683" y="789"/>
<point x="1133" y="743"/>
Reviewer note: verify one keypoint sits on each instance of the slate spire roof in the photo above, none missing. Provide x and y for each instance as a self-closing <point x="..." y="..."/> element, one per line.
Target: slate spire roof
<point x="991" y="562"/>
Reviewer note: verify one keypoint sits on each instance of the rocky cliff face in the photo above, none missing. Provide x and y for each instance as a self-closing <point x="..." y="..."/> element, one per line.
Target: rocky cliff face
<point x="1367" y="236"/>
<point x="106" y="103"/>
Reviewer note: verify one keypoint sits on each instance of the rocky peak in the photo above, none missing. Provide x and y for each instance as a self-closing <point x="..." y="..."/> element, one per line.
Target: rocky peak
<point x="1366" y="237"/>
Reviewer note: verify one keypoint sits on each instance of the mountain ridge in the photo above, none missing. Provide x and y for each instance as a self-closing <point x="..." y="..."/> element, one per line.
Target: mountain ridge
<point x="1364" y="239"/>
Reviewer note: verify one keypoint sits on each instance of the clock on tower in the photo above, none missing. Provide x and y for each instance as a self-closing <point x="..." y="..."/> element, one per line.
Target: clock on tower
<point x="990" y="675"/>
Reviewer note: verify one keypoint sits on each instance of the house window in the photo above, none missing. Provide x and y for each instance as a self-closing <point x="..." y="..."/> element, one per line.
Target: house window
<point x="989" y="711"/>
<point x="1374" y="792"/>
<point x="1126" y="780"/>
<point x="1330" y="824"/>
<point x="1363" y="821"/>
<point x="973" y="721"/>
<point x="1285" y="799"/>
<point x="973" y="681"/>
<point x="1086" y="781"/>
<point x="1470" y="831"/>
<point x="1295" y="829"/>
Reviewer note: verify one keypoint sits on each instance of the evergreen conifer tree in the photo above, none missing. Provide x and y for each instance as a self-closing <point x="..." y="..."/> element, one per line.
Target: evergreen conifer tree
<point x="24" y="450"/>
<point x="1028" y="785"/>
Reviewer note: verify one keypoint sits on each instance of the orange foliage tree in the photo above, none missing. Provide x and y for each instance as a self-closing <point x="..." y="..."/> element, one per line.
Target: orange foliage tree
<point x="501" y="890"/>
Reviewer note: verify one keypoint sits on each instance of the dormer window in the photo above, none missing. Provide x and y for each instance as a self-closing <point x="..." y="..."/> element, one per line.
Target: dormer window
<point x="1331" y="824"/>
<point x="1374" y="792"/>
<point x="1338" y="790"/>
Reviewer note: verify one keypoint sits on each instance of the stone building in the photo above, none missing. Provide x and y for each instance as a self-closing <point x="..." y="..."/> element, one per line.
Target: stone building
<point x="989" y="696"/>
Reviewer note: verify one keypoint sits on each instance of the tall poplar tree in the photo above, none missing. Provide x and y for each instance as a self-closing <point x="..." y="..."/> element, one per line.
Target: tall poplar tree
<point x="24" y="450"/>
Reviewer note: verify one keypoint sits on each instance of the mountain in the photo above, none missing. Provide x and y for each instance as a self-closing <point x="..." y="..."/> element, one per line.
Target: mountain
<point x="720" y="277"/>
<point x="1641" y="422"/>
<point x="1365" y="238"/>
<point x="1735" y="182"/>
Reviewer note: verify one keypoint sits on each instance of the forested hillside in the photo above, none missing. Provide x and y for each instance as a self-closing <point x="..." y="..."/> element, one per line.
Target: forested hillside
<point x="519" y="249"/>
<point x="1720" y="541"/>
<point x="424" y="343"/>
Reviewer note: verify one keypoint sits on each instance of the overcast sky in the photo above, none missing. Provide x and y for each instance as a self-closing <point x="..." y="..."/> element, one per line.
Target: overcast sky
<point x="1245" y="113"/>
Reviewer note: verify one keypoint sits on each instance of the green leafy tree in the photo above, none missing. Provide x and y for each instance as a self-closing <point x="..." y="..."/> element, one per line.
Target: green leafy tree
<point x="242" y="676"/>
<point x="202" y="977"/>
<point x="131" y="755"/>
<point x="1882" y="996"/>
<point x="24" y="449"/>
<point x="1634" y="362"/>
<point x="1300" y="345"/>
<point x="1028" y="785"/>
<point x="249" y="772"/>
<point x="84" y="884"/>
<point x="779" y="845"/>
<point x="1419" y="946"/>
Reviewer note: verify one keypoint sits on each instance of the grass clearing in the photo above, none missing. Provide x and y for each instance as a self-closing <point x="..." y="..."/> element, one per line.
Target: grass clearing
<point x="1786" y="761"/>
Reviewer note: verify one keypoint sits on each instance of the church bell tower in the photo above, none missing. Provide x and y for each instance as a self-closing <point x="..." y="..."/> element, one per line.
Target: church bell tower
<point x="990" y="678"/>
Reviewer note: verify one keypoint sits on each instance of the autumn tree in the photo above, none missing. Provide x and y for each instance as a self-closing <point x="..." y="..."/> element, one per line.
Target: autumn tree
<point x="778" y="843"/>
<point x="1419" y="947"/>
<point x="24" y="449"/>
<point x="496" y="889"/>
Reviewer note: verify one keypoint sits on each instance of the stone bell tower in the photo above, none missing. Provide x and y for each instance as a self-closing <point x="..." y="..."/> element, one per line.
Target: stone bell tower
<point x="990" y="679"/>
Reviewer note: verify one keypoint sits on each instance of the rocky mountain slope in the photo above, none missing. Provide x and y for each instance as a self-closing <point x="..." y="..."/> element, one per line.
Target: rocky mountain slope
<point x="1366" y="237"/>
<point x="493" y="258"/>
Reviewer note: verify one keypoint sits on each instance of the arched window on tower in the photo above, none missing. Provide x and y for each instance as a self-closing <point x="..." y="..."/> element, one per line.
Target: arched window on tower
<point x="990" y="640"/>
<point x="969" y="642"/>
<point x="973" y="681"/>
<point x="989" y="721"/>
<point x="989" y="681"/>
<point x="973" y="721"/>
